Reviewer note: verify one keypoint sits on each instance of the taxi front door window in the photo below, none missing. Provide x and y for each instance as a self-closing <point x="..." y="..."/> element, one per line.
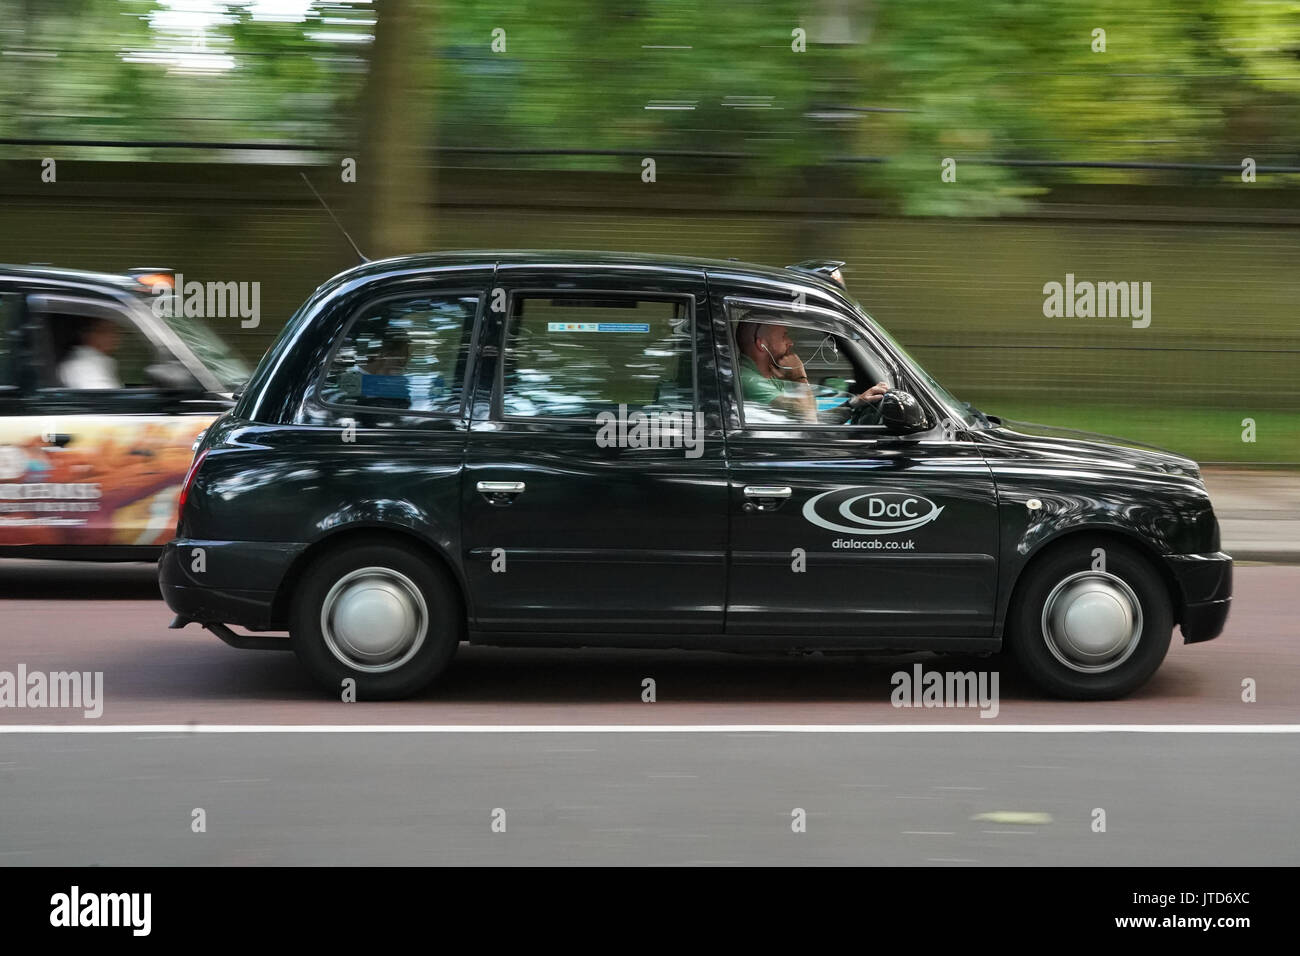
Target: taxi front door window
<point x="797" y="373"/>
<point x="95" y="351"/>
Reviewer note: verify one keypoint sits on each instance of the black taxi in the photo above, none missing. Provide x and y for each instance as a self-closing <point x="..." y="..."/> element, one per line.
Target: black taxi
<point x="102" y="396"/>
<point x="595" y="449"/>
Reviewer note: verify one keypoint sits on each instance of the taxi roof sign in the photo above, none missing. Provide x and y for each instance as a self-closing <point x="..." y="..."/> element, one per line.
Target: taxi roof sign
<point x="826" y="268"/>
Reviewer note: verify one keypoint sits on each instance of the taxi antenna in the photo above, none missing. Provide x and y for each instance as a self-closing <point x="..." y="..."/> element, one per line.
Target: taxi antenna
<point x="360" y="254"/>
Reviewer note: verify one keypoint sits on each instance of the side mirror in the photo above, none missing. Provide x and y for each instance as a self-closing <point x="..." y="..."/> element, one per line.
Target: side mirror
<point x="173" y="377"/>
<point x="901" y="413"/>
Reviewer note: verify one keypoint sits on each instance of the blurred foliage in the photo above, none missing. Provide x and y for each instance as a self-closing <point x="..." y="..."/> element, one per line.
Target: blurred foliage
<point x="1200" y="82"/>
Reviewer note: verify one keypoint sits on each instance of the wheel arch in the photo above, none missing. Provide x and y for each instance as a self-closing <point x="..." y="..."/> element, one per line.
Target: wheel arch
<point x="1098" y="533"/>
<point x="367" y="532"/>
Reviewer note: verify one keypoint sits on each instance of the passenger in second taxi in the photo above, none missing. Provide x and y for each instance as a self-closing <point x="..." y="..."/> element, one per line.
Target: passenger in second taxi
<point x="772" y="374"/>
<point x="90" y="364"/>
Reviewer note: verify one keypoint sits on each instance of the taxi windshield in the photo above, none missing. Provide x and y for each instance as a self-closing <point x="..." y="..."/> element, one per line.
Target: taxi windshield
<point x="961" y="410"/>
<point x="215" y="354"/>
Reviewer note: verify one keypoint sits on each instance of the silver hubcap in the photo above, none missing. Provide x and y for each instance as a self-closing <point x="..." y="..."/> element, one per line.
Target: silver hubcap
<point x="1092" y="622"/>
<point x="374" y="619"/>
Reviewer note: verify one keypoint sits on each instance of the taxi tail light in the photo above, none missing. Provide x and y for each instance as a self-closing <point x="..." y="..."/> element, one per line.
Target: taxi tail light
<point x="190" y="475"/>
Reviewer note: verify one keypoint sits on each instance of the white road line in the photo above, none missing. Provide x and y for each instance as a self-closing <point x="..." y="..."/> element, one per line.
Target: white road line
<point x="89" y="728"/>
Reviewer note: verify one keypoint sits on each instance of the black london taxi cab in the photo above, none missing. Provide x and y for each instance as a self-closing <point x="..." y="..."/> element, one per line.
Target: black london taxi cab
<point x="569" y="449"/>
<point x="102" y="397"/>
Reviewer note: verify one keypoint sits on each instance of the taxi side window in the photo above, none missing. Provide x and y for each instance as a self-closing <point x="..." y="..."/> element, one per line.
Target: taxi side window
<point x="95" y="348"/>
<point x="777" y="347"/>
<point x="578" y="355"/>
<point x="404" y="353"/>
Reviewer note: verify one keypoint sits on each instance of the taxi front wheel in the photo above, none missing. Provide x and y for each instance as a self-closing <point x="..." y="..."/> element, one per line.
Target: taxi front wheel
<point x="377" y="613"/>
<point x="1091" y="620"/>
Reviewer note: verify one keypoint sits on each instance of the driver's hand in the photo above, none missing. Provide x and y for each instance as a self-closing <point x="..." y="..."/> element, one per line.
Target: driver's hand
<point x="874" y="392"/>
<point x="796" y="371"/>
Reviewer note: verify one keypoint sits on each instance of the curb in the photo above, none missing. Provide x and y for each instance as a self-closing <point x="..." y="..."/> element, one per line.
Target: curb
<point x="1264" y="555"/>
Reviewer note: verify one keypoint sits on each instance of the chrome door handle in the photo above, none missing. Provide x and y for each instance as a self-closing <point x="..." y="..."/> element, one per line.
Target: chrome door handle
<point x="765" y="497"/>
<point x="767" y="491"/>
<point x="500" y="494"/>
<point x="501" y="487"/>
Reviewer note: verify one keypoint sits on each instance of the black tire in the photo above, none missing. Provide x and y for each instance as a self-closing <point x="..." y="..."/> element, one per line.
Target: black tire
<point x="1027" y="636"/>
<point x="431" y="648"/>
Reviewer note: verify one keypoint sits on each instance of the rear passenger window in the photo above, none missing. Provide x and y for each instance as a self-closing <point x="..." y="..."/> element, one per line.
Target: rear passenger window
<point x="405" y="353"/>
<point x="580" y="355"/>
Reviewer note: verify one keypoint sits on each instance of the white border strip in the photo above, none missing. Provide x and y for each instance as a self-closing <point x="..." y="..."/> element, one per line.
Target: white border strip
<point x="89" y="728"/>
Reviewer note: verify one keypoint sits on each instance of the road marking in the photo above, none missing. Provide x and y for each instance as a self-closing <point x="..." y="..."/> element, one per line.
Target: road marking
<point x="649" y="729"/>
<point x="1027" y="817"/>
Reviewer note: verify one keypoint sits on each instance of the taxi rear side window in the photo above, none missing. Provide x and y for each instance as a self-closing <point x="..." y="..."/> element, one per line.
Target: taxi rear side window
<point x="406" y="353"/>
<point x="578" y="355"/>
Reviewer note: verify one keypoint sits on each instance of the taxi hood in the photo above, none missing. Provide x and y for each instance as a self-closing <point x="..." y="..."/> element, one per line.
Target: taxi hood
<point x="1066" y="446"/>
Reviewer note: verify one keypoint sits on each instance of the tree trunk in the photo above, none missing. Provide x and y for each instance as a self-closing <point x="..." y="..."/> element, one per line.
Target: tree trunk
<point x="395" y="165"/>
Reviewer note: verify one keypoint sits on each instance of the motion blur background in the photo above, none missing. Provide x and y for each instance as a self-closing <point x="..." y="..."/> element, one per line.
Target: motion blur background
<point x="779" y="131"/>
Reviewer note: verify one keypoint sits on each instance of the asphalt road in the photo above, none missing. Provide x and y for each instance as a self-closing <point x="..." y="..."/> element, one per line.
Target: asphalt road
<point x="942" y="799"/>
<point x="102" y="618"/>
<point x="893" y="789"/>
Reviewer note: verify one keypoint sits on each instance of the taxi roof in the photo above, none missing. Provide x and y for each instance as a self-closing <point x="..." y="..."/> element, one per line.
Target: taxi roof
<point x="124" y="282"/>
<point x="577" y="258"/>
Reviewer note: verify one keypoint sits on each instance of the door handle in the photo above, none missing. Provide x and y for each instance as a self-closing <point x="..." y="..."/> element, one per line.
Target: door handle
<point x="501" y="487"/>
<point x="767" y="491"/>
<point x="500" y="493"/>
<point x="765" y="497"/>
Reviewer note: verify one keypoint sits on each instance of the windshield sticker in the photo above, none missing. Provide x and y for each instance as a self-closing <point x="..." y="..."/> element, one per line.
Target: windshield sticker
<point x="597" y="326"/>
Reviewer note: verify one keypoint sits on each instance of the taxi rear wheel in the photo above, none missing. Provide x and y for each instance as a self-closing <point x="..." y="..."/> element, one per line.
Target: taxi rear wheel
<point x="378" y="613"/>
<point x="1091" y="620"/>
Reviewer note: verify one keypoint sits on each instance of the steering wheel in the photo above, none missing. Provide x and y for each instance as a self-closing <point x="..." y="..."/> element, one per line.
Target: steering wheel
<point x="867" y="414"/>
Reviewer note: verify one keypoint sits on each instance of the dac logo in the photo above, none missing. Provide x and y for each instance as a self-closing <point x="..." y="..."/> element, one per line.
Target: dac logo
<point x="859" y="511"/>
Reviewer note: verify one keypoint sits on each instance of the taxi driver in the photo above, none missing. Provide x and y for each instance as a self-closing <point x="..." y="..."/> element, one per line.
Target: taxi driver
<point x="772" y="374"/>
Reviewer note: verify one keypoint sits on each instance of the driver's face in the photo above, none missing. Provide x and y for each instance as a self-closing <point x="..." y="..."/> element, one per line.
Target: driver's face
<point x="104" y="336"/>
<point x="778" y="340"/>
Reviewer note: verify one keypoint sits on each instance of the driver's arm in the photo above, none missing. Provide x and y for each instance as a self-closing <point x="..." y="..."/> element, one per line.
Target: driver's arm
<point x="798" y="400"/>
<point x="851" y="410"/>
